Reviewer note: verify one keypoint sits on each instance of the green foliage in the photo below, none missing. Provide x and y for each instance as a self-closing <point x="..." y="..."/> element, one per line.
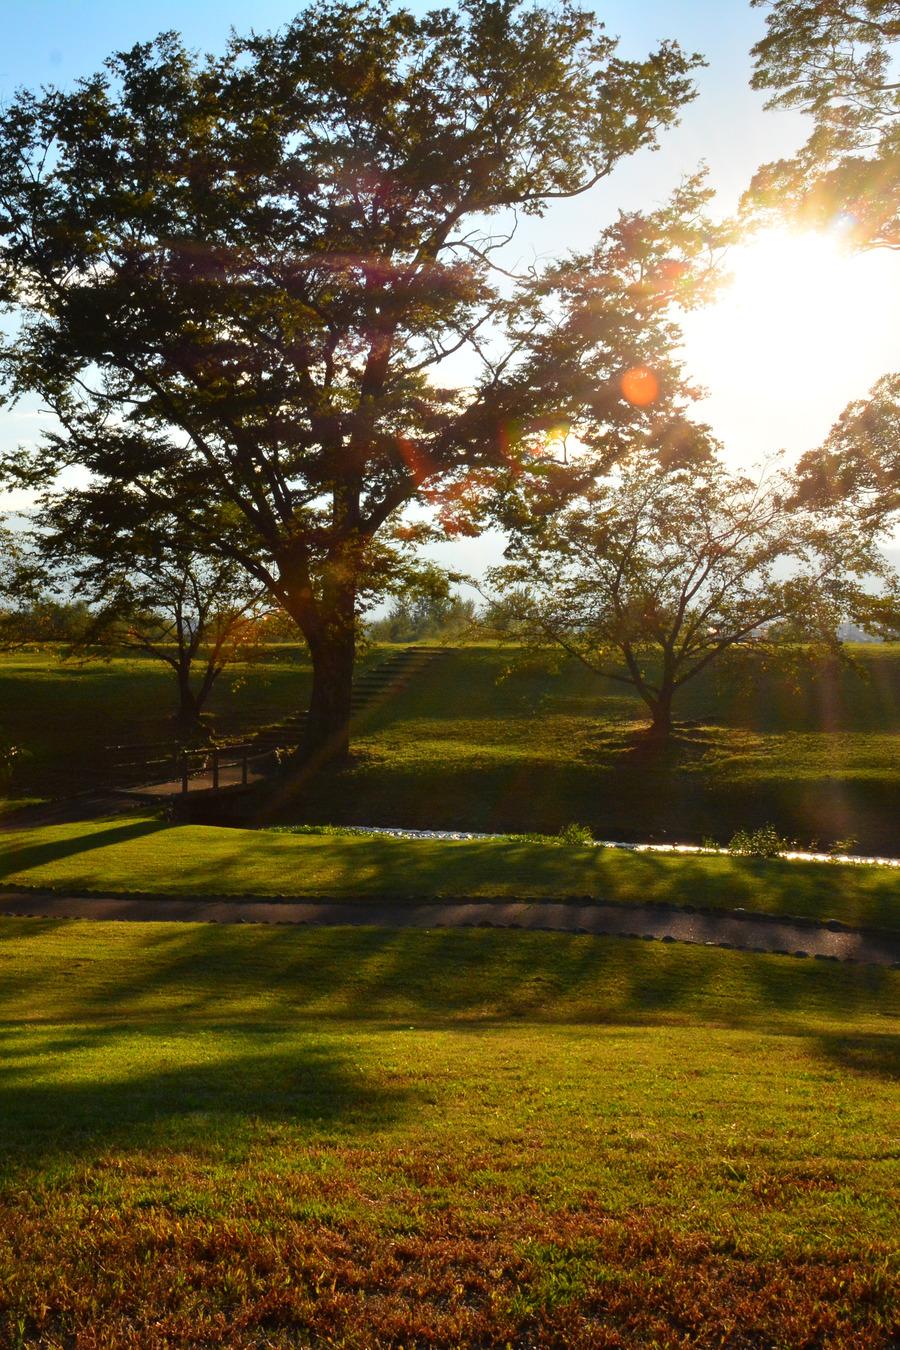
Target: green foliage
<point x="764" y="842"/>
<point x="9" y="753"/>
<point x="576" y="834"/>
<point x="412" y="618"/>
<point x="859" y="465"/>
<point x="261" y="260"/>
<point x="47" y="620"/>
<point x="836" y="62"/>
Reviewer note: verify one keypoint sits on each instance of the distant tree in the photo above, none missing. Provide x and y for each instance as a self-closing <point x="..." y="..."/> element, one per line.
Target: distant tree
<point x="42" y="618"/>
<point x="878" y="616"/>
<point x="240" y="276"/>
<point x="501" y="616"/>
<point x="660" y="570"/>
<point x="148" y="589"/>
<point x="25" y="616"/>
<point x="858" y="467"/>
<point x="836" y="60"/>
<point x="414" y="617"/>
<point x="195" y="615"/>
<point x="9" y="558"/>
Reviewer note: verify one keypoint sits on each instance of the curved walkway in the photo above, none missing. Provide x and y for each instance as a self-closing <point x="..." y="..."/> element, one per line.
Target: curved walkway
<point x="751" y="932"/>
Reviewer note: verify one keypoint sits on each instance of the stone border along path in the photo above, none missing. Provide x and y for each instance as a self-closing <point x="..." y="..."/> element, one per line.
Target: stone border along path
<point x="748" y="932"/>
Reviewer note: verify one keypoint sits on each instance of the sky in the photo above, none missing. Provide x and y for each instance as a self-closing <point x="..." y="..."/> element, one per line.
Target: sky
<point x="801" y="331"/>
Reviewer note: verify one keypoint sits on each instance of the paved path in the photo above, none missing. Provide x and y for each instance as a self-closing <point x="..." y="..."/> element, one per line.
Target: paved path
<point x="750" y="932"/>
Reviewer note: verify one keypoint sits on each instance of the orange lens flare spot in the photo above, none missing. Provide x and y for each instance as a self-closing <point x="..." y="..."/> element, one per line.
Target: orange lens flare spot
<point x="640" y="386"/>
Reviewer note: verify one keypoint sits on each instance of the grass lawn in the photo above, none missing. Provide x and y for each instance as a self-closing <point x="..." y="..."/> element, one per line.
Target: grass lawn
<point x="143" y="853"/>
<point x="64" y="715"/>
<point x="472" y="747"/>
<point x="478" y="742"/>
<point x="271" y="1138"/>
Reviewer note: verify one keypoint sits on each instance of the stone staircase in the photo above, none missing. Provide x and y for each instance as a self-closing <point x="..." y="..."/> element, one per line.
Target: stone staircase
<point x="372" y="688"/>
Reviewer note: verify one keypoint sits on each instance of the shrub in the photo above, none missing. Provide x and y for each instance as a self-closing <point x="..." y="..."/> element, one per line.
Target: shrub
<point x="9" y="753"/>
<point x="765" y="842"/>
<point x="576" y="834"/>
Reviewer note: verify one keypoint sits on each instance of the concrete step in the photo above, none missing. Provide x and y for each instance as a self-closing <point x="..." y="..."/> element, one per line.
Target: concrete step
<point x="382" y="681"/>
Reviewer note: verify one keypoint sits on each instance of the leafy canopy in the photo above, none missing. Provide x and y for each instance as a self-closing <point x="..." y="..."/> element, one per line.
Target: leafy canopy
<point x="858" y="467"/>
<point x="838" y="61"/>
<point x="658" y="570"/>
<point x="240" y="276"/>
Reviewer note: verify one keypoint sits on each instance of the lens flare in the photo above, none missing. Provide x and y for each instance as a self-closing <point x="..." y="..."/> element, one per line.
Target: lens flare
<point x="640" y="386"/>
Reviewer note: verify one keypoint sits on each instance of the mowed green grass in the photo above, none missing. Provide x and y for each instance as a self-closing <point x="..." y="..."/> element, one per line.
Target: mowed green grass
<point x="270" y="1138"/>
<point x="479" y="741"/>
<point x="65" y="715"/>
<point x="147" y="854"/>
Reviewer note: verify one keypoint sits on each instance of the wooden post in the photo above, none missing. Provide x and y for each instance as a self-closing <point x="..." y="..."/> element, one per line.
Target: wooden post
<point x="215" y="769"/>
<point x="184" y="771"/>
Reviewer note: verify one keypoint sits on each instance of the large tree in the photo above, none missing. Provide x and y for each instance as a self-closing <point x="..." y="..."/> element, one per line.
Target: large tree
<point x="240" y="277"/>
<point x="661" y="569"/>
<point x="858" y="466"/>
<point x="837" y="61"/>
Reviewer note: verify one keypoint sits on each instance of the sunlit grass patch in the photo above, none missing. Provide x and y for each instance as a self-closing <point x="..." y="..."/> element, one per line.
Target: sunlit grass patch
<point x="243" y="1136"/>
<point x="146" y="854"/>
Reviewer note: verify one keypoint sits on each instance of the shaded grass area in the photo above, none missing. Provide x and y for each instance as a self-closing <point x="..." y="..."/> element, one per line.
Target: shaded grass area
<point x="65" y="714"/>
<point x="146" y="854"/>
<point x="258" y="1137"/>
<point x="481" y="742"/>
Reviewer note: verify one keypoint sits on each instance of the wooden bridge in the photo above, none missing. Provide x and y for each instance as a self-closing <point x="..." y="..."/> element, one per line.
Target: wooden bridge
<point x="162" y="770"/>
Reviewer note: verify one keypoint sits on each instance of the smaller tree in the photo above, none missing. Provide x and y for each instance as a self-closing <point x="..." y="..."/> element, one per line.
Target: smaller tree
<point x="658" y="571"/>
<point x="195" y="615"/>
<point x="151" y="591"/>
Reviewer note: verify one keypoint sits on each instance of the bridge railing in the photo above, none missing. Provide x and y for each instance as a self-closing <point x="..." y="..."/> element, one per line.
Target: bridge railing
<point x="155" y="763"/>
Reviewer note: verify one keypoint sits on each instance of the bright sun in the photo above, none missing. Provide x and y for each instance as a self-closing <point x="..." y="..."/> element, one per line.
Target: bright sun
<point x="785" y="287"/>
<point x="803" y="327"/>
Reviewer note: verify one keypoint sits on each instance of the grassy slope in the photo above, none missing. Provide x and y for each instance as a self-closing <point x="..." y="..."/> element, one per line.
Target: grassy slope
<point x="465" y="748"/>
<point x="64" y="715"/>
<point x="264" y="1137"/>
<point x="147" y="854"/>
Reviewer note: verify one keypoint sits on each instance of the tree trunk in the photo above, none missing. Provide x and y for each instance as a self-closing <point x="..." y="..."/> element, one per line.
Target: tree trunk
<point x="333" y="652"/>
<point x="661" y="726"/>
<point x="187" y="719"/>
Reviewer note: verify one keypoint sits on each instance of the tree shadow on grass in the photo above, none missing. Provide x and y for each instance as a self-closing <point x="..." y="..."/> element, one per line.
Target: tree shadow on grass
<point x="262" y="977"/>
<point x="876" y="1054"/>
<point x="162" y="1085"/>
<point x="386" y="868"/>
<point x="20" y="859"/>
<point x="632" y="746"/>
<point x="188" y="1036"/>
